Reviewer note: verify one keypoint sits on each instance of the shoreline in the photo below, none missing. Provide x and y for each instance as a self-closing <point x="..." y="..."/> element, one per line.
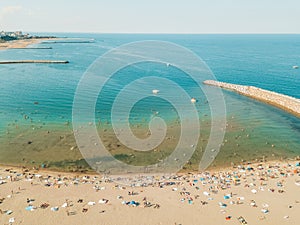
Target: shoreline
<point x="284" y="102"/>
<point x="23" y="43"/>
<point x="187" y="171"/>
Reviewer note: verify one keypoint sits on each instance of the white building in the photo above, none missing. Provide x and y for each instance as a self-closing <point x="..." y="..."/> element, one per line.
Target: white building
<point x="11" y="34"/>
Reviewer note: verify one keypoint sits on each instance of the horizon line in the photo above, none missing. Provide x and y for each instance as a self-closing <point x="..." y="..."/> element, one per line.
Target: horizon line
<point x="163" y="33"/>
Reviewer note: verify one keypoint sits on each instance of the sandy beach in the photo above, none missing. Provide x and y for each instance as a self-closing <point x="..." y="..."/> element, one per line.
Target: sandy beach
<point x="265" y="193"/>
<point x="21" y="43"/>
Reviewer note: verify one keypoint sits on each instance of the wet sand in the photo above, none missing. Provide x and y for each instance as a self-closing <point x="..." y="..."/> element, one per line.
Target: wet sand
<point x="266" y="193"/>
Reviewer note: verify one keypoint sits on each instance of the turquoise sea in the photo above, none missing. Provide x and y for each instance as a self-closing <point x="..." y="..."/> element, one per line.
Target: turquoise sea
<point x="36" y="99"/>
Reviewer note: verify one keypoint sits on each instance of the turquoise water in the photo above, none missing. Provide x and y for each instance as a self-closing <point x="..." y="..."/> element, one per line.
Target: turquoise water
<point x="264" y="61"/>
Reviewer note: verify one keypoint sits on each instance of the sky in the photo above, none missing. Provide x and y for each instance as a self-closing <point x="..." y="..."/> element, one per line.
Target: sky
<point x="152" y="16"/>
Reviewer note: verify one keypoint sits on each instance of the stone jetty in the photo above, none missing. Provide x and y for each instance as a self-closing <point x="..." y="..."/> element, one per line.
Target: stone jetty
<point x="287" y="103"/>
<point x="34" y="61"/>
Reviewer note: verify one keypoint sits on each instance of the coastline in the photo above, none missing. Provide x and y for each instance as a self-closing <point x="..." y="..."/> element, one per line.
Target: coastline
<point x="284" y="102"/>
<point x="23" y="43"/>
<point x="263" y="193"/>
<point x="218" y="169"/>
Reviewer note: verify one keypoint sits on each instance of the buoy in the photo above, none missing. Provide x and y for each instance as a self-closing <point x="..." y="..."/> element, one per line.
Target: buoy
<point x="193" y="100"/>
<point x="155" y="92"/>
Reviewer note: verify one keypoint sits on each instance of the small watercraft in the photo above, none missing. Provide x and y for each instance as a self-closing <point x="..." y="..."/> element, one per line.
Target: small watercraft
<point x="155" y="92"/>
<point x="193" y="100"/>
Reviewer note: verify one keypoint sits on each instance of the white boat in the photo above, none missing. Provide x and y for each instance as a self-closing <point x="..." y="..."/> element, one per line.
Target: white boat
<point x="295" y="67"/>
<point x="155" y="92"/>
<point x="193" y="100"/>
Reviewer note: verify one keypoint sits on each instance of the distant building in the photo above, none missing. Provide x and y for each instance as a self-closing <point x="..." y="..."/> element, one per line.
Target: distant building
<point x="18" y="33"/>
<point x="13" y="35"/>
